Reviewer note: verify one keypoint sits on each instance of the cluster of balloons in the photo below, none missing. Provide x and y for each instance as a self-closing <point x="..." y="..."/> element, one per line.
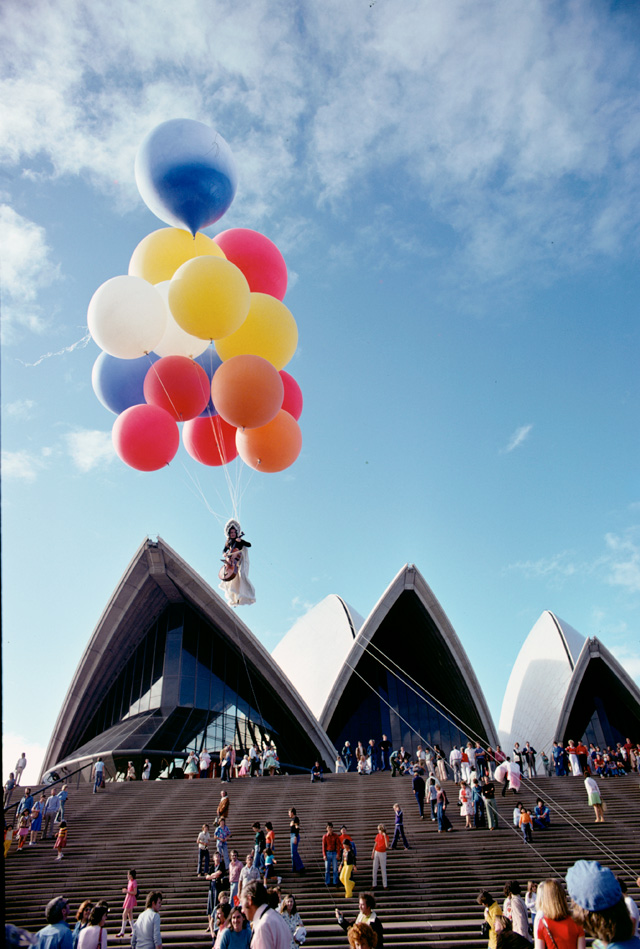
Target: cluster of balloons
<point x="196" y="332"/>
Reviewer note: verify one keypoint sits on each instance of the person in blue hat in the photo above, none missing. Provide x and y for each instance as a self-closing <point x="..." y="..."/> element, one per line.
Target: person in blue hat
<point x="599" y="905"/>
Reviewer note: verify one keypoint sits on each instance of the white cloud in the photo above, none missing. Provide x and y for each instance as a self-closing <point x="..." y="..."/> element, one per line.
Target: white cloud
<point x="12" y="747"/>
<point x="79" y="344"/>
<point x="299" y="603"/>
<point x="26" y="269"/>
<point x="618" y="565"/>
<point x="557" y="567"/>
<point x="519" y="436"/>
<point x="90" y="449"/>
<point x="623" y="561"/>
<point x="21" y="408"/>
<point x="629" y="659"/>
<point x="20" y="466"/>
<point x="518" y="129"/>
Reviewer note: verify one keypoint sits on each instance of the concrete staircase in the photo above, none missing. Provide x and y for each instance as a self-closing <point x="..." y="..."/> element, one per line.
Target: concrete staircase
<point x="152" y="827"/>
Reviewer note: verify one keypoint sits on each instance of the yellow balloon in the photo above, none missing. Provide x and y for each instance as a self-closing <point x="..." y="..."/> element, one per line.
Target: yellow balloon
<point x="269" y="331"/>
<point x="209" y="297"/>
<point x="159" y="254"/>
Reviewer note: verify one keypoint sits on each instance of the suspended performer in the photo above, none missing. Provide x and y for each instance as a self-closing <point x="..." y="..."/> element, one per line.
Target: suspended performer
<point x="234" y="572"/>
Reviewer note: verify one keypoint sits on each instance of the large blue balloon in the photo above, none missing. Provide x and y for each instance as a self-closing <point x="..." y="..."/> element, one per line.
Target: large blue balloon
<point x="209" y="360"/>
<point x="118" y="382"/>
<point x="186" y="174"/>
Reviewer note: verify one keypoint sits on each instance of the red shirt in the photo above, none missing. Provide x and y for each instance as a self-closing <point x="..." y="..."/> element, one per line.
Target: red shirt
<point x="566" y="932"/>
<point x="381" y="843"/>
<point x="330" y="842"/>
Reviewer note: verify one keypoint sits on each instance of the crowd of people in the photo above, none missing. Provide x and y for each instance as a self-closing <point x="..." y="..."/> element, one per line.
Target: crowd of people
<point x="551" y="915"/>
<point x="524" y="760"/>
<point x="245" y="902"/>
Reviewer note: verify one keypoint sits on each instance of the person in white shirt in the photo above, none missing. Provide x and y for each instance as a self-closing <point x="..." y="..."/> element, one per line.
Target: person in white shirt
<point x="202" y="840"/>
<point x="205" y="761"/>
<point x="631" y="905"/>
<point x="595" y="800"/>
<point x="455" y="758"/>
<point x="21" y="764"/>
<point x="146" y="929"/>
<point x="269" y="928"/>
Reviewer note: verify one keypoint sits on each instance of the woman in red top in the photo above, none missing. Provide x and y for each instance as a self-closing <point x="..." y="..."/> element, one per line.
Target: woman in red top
<point x="557" y="929"/>
<point x="379" y="856"/>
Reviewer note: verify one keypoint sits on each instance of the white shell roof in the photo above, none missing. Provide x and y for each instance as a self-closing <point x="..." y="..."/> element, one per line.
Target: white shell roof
<point x="538" y="684"/>
<point x="313" y="652"/>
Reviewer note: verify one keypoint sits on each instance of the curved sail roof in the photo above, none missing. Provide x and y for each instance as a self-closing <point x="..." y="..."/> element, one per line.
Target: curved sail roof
<point x="417" y="642"/>
<point x="158" y="576"/>
<point x="538" y="682"/>
<point x="600" y="686"/>
<point x="312" y="653"/>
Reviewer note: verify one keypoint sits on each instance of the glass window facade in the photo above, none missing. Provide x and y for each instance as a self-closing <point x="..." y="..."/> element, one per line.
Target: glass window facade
<point x="383" y="699"/>
<point x="205" y="694"/>
<point x="603" y="712"/>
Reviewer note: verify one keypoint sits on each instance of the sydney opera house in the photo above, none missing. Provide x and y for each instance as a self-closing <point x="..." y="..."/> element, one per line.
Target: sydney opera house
<point x="170" y="669"/>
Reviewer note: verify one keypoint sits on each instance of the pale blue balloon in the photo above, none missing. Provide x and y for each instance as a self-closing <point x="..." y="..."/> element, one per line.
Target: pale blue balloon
<point x="119" y="383"/>
<point x="186" y="174"/>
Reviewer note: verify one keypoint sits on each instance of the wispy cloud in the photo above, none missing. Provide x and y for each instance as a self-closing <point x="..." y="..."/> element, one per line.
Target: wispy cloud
<point x="519" y="436"/>
<point x="79" y="344"/>
<point x="26" y="268"/>
<point x="526" y="148"/>
<point x="556" y="567"/>
<point x="21" y="408"/>
<point x="628" y="657"/>
<point x="618" y="565"/>
<point x="301" y="605"/>
<point x="21" y="466"/>
<point x="623" y="561"/>
<point x="90" y="449"/>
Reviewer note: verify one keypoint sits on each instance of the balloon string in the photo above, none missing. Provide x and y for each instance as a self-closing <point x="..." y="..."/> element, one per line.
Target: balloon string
<point x="159" y="378"/>
<point x="223" y="454"/>
<point x="200" y="493"/>
<point x="405" y="678"/>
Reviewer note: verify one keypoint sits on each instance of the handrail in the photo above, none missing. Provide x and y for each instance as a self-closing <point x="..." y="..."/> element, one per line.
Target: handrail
<point x="63" y="780"/>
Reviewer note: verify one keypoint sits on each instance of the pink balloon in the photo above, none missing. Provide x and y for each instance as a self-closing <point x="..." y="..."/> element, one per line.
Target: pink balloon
<point x="292" y="402"/>
<point x="211" y="441"/>
<point x="178" y="385"/>
<point x="257" y="257"/>
<point x="145" y="437"/>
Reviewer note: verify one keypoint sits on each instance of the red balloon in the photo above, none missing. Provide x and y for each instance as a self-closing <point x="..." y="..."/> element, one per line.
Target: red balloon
<point x="145" y="437"/>
<point x="178" y="385"/>
<point x="292" y="402"/>
<point x="211" y="441"/>
<point x="257" y="257"/>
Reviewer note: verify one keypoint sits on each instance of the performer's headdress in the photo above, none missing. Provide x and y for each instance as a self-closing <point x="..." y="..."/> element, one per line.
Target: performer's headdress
<point x="230" y="524"/>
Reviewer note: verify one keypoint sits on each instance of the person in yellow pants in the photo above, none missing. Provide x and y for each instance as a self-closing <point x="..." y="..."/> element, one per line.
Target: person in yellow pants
<point x="347" y="868"/>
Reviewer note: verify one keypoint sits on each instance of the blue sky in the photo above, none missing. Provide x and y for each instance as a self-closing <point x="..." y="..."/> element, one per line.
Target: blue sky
<point x="455" y="188"/>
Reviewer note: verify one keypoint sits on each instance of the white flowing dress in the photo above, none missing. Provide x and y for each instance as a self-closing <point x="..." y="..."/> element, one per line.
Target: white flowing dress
<point x="240" y="590"/>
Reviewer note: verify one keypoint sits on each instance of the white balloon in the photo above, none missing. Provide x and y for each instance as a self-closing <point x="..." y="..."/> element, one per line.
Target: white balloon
<point x="175" y="341"/>
<point x="127" y="317"/>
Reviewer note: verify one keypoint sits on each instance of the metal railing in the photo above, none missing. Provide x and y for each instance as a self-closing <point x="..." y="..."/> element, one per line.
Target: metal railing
<point x="66" y="778"/>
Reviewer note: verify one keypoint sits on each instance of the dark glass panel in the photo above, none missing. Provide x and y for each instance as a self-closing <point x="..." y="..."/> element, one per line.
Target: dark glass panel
<point x="203" y="681"/>
<point x="147" y="661"/>
<point x="126" y="689"/>
<point x="187" y="689"/>
<point x="159" y="648"/>
<point x="172" y="652"/>
<point x="170" y="691"/>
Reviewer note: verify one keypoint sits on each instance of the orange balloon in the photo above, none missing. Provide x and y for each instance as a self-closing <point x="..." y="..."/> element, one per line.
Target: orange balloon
<point x="247" y="391"/>
<point x="274" y="446"/>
